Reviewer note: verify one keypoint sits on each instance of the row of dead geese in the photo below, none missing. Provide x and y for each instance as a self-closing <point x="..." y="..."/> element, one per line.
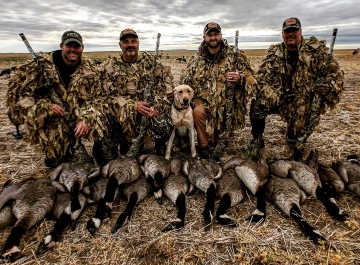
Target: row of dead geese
<point x="71" y="186"/>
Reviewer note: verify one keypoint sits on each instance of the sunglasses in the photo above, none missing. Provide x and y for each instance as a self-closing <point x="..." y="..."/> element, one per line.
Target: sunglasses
<point x="290" y="30"/>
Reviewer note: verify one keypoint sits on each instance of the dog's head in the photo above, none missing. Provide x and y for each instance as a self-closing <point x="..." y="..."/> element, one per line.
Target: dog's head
<point x="183" y="95"/>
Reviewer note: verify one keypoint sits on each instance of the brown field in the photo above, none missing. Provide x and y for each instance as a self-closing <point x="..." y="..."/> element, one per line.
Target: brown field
<point x="278" y="240"/>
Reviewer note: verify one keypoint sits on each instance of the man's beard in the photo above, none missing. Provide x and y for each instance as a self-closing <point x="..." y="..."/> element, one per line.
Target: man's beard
<point x="130" y="52"/>
<point x="210" y="45"/>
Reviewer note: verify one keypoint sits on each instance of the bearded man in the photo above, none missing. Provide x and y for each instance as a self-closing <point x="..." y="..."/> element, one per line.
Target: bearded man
<point x="125" y="77"/>
<point x="209" y="73"/>
<point x="288" y="80"/>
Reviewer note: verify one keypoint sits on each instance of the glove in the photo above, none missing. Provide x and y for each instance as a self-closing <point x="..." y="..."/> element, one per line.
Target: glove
<point x="321" y="89"/>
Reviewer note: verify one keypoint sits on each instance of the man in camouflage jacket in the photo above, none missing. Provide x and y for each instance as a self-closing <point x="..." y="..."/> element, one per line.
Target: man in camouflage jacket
<point x="287" y="81"/>
<point x="74" y="80"/>
<point x="209" y="73"/>
<point x="124" y="78"/>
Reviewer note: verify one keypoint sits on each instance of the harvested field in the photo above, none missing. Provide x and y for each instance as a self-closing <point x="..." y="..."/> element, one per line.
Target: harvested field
<point x="278" y="240"/>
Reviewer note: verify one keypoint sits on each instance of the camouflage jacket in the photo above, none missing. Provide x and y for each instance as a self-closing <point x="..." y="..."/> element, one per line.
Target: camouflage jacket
<point x="124" y="84"/>
<point x="35" y="110"/>
<point x="274" y="81"/>
<point x="207" y="77"/>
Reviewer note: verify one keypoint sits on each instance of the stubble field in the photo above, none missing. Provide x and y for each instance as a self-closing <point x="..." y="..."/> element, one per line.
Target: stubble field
<point x="278" y="240"/>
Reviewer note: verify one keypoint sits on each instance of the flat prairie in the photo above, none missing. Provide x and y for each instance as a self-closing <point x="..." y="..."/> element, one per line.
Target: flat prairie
<point x="277" y="240"/>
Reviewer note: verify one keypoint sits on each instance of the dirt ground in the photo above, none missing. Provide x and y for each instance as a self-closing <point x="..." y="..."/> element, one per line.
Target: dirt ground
<point x="278" y="240"/>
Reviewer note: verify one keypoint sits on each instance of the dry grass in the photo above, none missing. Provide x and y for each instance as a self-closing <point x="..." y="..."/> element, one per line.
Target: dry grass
<point x="276" y="241"/>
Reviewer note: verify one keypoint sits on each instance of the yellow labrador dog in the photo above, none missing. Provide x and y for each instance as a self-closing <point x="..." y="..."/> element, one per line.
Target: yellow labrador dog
<point x="182" y="117"/>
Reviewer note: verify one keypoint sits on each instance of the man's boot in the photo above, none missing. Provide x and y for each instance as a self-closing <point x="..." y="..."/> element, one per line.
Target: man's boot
<point x="297" y="155"/>
<point x="160" y="146"/>
<point x="78" y="152"/>
<point x="124" y="147"/>
<point x="104" y="151"/>
<point x="204" y="152"/>
<point x="257" y="131"/>
<point x="52" y="162"/>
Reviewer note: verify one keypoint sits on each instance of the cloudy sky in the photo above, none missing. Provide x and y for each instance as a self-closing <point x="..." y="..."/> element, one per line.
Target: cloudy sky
<point x="180" y="22"/>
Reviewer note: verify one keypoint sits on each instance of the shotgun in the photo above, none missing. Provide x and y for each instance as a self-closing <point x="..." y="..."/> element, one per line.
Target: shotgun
<point x="47" y="88"/>
<point x="136" y="142"/>
<point x="229" y="106"/>
<point x="316" y="99"/>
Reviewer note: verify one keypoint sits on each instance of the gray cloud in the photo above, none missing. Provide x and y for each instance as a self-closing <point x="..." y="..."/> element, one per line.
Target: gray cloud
<point x="180" y="22"/>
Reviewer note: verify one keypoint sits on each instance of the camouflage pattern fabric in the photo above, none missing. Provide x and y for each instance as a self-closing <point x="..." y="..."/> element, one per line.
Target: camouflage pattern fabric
<point x="291" y="97"/>
<point x="207" y="77"/>
<point x="123" y="86"/>
<point x="34" y="110"/>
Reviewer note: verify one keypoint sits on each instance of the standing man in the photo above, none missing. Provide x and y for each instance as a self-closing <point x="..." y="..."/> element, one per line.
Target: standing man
<point x="72" y="78"/>
<point x="287" y="80"/>
<point x="125" y="78"/>
<point x="209" y="73"/>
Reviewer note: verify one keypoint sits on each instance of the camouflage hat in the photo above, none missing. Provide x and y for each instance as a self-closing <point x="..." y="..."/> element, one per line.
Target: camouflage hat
<point x="71" y="35"/>
<point x="292" y="22"/>
<point x="127" y="32"/>
<point x="210" y="26"/>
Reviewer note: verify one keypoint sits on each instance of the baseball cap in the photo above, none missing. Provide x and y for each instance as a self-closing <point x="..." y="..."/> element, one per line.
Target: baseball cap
<point x="127" y="32"/>
<point x="71" y="36"/>
<point x="210" y="26"/>
<point x="292" y="22"/>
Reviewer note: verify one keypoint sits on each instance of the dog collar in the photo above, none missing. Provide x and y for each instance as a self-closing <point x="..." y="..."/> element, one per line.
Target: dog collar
<point x="177" y="108"/>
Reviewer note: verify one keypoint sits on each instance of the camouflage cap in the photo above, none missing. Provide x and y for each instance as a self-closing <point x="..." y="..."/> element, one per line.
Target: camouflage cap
<point x="71" y="35"/>
<point x="210" y="26"/>
<point x="292" y="22"/>
<point x="127" y="32"/>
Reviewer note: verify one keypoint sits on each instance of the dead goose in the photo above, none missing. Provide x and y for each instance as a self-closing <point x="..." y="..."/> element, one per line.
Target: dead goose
<point x="349" y="171"/>
<point x="308" y="179"/>
<point x="253" y="175"/>
<point x="202" y="174"/>
<point x="119" y="171"/>
<point x="135" y="192"/>
<point x="156" y="170"/>
<point x="63" y="213"/>
<point x="354" y="159"/>
<point x="230" y="189"/>
<point x="75" y="176"/>
<point x="32" y="200"/>
<point x="96" y="191"/>
<point x="175" y="188"/>
<point x="286" y="194"/>
<point x="330" y="180"/>
<point x="6" y="216"/>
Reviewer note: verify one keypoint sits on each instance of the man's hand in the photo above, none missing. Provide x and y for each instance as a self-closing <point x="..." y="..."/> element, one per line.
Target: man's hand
<point x="57" y="110"/>
<point x="322" y="89"/>
<point x="143" y="108"/>
<point x="235" y="77"/>
<point x="81" y="129"/>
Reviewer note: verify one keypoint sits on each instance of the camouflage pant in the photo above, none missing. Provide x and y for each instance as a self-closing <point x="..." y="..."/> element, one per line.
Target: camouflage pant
<point x="107" y="148"/>
<point x="53" y="160"/>
<point x="295" y="139"/>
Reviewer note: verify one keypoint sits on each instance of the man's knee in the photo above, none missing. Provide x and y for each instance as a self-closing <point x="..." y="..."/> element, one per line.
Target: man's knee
<point x="258" y="110"/>
<point x="199" y="113"/>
